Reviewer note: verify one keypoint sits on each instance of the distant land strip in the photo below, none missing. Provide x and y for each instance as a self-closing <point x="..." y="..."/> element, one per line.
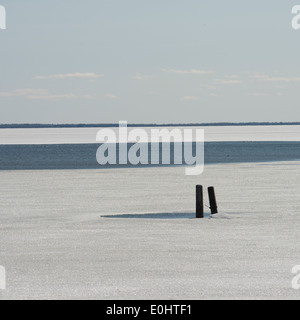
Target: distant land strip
<point x="113" y="125"/>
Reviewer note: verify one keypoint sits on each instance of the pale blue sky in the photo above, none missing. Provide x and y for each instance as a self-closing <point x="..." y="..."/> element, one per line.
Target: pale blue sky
<point x="144" y="61"/>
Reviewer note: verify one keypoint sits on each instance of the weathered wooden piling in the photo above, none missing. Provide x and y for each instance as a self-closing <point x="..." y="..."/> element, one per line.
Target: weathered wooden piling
<point x="199" y="202"/>
<point x="212" y="200"/>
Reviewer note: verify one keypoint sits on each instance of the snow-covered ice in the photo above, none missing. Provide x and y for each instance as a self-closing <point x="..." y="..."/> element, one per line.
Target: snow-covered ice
<point x="56" y="244"/>
<point x="88" y="135"/>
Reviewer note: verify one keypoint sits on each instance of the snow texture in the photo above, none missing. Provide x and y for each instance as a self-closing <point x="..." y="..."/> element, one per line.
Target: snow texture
<point x="130" y="233"/>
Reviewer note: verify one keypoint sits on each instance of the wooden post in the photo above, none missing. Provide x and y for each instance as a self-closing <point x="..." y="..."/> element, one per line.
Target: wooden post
<point x="199" y="202"/>
<point x="212" y="200"/>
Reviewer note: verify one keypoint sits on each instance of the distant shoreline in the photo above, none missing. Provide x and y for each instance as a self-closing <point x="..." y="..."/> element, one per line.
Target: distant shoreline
<point x="113" y="125"/>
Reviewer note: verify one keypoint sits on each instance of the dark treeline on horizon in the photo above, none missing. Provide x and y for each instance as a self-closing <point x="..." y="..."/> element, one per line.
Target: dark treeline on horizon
<point x="106" y="125"/>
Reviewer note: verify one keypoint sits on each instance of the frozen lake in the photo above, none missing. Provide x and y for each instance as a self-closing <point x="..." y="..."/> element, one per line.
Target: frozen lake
<point x="56" y="244"/>
<point x="129" y="233"/>
<point x="76" y="148"/>
<point x="88" y="135"/>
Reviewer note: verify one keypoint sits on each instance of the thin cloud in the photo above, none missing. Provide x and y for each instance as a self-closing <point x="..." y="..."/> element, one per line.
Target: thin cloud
<point x="88" y="97"/>
<point x="27" y="92"/>
<point x="257" y="94"/>
<point x="52" y="97"/>
<point x="38" y="94"/>
<point x="208" y="86"/>
<point x="232" y="77"/>
<point x="6" y="94"/>
<point x="189" y="98"/>
<point x="228" y="81"/>
<point x="111" y="96"/>
<point x="267" y="78"/>
<point x="76" y="75"/>
<point x="192" y="72"/>
<point x="140" y="76"/>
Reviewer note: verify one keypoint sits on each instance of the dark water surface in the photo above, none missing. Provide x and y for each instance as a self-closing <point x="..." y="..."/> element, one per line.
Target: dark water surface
<point x="83" y="156"/>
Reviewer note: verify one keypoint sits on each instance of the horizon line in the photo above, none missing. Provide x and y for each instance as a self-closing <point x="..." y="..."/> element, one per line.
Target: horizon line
<point x="106" y="125"/>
